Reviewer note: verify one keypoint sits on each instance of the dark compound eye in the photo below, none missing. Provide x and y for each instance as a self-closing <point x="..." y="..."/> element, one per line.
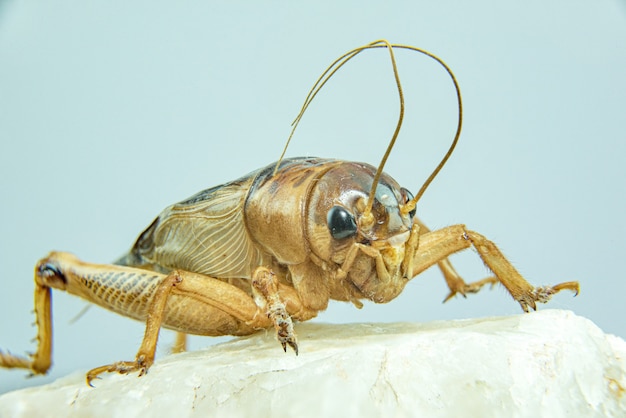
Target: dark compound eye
<point x="341" y="223"/>
<point x="408" y="196"/>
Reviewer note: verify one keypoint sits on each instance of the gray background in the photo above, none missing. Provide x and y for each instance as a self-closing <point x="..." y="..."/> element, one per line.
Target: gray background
<point x="110" y="111"/>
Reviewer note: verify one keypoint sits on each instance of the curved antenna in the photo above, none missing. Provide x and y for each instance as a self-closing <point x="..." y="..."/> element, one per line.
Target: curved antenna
<point x="410" y="205"/>
<point x="367" y="217"/>
<point x="319" y="83"/>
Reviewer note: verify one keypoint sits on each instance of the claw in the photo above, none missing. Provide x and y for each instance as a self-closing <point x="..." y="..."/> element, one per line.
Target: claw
<point x="294" y="346"/>
<point x="453" y="294"/>
<point x="290" y="340"/>
<point x="463" y="288"/>
<point x="121" y="367"/>
<point x="543" y="294"/>
<point x="546" y="292"/>
<point x="573" y="286"/>
<point x="90" y="379"/>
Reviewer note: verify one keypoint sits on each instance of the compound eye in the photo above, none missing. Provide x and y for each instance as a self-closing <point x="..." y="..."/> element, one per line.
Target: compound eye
<point x="408" y="196"/>
<point x="341" y="223"/>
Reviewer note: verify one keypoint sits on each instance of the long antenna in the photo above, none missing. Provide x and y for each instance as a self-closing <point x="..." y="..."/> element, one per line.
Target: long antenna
<point x="367" y="217"/>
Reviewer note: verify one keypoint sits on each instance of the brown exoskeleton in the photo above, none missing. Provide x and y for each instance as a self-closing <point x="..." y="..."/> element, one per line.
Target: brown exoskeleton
<point x="271" y="247"/>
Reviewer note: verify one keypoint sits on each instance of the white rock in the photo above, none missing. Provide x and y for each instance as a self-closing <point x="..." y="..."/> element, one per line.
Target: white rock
<point x="546" y="364"/>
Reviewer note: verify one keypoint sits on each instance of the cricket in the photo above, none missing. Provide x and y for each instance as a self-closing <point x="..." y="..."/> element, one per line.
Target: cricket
<point x="274" y="247"/>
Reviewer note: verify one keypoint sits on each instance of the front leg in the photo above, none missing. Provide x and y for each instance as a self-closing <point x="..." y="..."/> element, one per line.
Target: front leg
<point x="455" y="282"/>
<point x="265" y="284"/>
<point x="436" y="246"/>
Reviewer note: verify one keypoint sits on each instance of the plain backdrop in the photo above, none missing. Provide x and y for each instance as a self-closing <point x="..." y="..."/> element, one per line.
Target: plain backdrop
<point x="112" y="110"/>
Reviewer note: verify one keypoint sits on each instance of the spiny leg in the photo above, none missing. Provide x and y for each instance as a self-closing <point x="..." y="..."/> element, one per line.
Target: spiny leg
<point x="437" y="245"/>
<point x="39" y="362"/>
<point x="145" y="355"/>
<point x="199" y="304"/>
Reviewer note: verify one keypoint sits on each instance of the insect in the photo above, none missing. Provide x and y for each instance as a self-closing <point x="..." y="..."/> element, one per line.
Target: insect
<point x="272" y="247"/>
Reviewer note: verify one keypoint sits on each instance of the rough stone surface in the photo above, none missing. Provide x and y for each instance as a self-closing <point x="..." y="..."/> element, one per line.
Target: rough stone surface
<point x="546" y="364"/>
